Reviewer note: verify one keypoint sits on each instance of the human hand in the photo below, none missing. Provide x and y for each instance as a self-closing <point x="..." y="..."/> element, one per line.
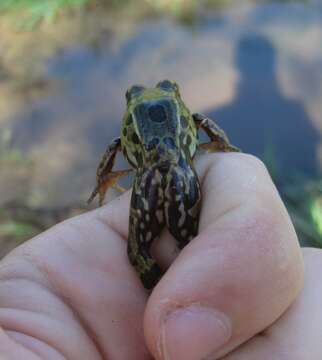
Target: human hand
<point x="71" y="292"/>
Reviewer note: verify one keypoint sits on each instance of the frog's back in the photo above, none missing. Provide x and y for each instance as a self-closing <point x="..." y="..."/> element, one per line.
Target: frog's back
<point x="157" y="127"/>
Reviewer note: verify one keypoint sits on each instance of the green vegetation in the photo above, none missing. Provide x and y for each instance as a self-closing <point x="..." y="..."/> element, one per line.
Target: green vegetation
<point x="13" y="230"/>
<point x="8" y="154"/>
<point x="17" y="230"/>
<point x="316" y="213"/>
<point x="33" y="12"/>
<point x="43" y="8"/>
<point x="304" y="203"/>
<point x="302" y="197"/>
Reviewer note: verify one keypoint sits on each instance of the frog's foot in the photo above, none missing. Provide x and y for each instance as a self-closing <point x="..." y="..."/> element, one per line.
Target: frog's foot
<point x="218" y="139"/>
<point x="147" y="269"/>
<point x="119" y="188"/>
<point x="105" y="182"/>
<point x="105" y="177"/>
<point x="140" y="258"/>
<point x="151" y="277"/>
<point x="215" y="146"/>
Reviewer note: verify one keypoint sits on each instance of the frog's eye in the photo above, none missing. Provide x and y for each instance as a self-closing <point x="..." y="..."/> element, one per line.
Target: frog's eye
<point x="168" y="85"/>
<point x="133" y="91"/>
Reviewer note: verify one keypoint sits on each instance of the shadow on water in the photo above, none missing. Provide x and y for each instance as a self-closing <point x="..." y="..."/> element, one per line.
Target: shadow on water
<point x="260" y="115"/>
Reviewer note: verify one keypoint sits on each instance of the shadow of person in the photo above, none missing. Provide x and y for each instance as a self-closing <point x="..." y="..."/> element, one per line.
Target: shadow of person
<point x="261" y="117"/>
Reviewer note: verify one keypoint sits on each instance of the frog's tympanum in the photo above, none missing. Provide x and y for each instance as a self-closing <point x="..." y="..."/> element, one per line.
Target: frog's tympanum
<point x="159" y="139"/>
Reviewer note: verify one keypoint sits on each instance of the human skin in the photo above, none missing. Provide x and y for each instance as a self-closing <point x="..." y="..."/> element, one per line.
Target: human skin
<point x="234" y="293"/>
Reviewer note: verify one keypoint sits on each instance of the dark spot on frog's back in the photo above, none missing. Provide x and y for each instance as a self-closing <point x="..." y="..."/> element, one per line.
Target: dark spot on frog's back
<point x="182" y="162"/>
<point x="182" y="137"/>
<point x="169" y="142"/>
<point x="152" y="144"/>
<point x="189" y="140"/>
<point x="138" y="156"/>
<point x="135" y="139"/>
<point x="129" y="120"/>
<point x="157" y="113"/>
<point x="184" y="122"/>
<point x="124" y="151"/>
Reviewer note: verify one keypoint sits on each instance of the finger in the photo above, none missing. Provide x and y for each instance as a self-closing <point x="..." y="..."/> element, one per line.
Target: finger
<point x="297" y="334"/>
<point x="116" y="214"/>
<point x="72" y="287"/>
<point x="10" y="349"/>
<point x="237" y="276"/>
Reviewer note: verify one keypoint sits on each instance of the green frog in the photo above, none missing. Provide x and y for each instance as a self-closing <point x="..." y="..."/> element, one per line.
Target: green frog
<point x="159" y="138"/>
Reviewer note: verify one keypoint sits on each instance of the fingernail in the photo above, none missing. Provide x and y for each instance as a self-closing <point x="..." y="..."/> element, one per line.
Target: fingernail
<point x="193" y="333"/>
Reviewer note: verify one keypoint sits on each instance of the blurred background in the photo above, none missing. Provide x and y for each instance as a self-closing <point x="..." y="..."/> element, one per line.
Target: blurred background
<point x="254" y="66"/>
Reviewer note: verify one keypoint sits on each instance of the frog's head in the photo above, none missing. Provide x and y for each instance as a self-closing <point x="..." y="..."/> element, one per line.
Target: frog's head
<point x="162" y="88"/>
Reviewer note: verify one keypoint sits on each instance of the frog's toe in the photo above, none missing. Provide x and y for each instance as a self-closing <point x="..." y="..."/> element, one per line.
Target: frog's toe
<point x="151" y="277"/>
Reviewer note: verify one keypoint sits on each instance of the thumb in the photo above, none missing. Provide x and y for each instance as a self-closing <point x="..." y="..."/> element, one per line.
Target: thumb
<point x="236" y="277"/>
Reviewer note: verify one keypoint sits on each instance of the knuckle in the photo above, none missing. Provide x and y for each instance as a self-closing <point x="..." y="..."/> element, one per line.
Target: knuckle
<point x="253" y="160"/>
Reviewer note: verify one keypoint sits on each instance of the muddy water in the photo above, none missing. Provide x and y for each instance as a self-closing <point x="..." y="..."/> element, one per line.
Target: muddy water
<point x="257" y="69"/>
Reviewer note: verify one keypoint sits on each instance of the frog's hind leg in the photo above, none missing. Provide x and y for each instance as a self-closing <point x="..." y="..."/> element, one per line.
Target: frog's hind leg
<point x="105" y="177"/>
<point x="182" y="204"/>
<point x="218" y="139"/>
<point x="146" y="222"/>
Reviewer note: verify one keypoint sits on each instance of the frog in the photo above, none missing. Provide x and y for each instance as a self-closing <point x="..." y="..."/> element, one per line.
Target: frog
<point x="159" y="138"/>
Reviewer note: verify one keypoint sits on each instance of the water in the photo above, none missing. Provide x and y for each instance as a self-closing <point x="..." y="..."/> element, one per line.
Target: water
<point x="256" y="69"/>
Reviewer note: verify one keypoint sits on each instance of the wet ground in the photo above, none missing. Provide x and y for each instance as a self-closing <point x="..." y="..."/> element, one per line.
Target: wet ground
<point x="255" y="68"/>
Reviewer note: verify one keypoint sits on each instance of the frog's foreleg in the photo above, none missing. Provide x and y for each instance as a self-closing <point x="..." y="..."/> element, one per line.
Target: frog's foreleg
<point x="182" y="204"/>
<point x="105" y="177"/>
<point x="146" y="222"/>
<point x="218" y="139"/>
